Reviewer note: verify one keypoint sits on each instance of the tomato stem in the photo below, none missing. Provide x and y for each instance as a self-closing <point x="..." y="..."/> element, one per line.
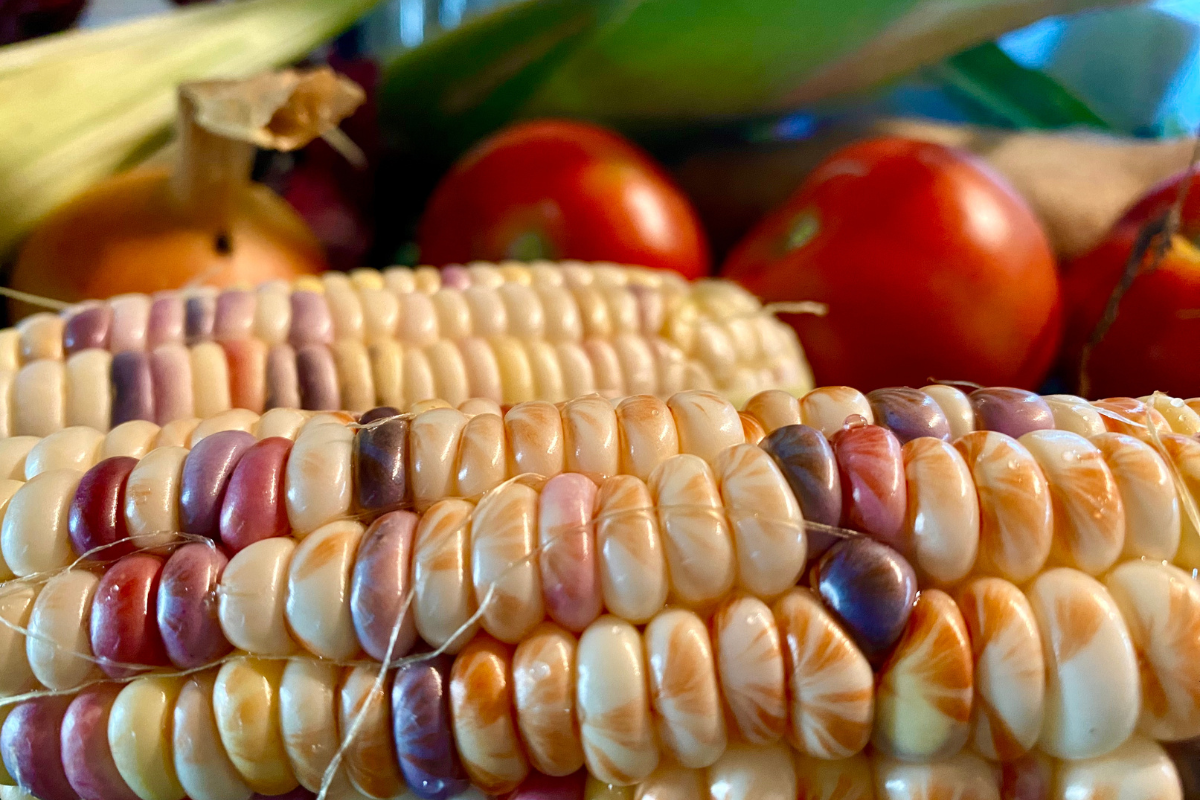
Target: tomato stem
<point x="804" y="228"/>
<point x="1154" y="240"/>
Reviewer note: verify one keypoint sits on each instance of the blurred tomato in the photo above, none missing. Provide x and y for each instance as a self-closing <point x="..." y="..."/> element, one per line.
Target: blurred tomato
<point x="931" y="268"/>
<point x="557" y="189"/>
<point x="1153" y="342"/>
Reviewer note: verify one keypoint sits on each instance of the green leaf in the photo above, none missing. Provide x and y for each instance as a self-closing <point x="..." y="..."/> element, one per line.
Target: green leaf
<point x="642" y="64"/>
<point x="445" y="95"/>
<point x="1005" y="94"/>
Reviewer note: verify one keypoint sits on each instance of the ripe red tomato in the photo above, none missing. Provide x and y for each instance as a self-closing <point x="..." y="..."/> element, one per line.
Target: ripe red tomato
<point x="557" y="189"/>
<point x="1153" y="342"/>
<point x="931" y="267"/>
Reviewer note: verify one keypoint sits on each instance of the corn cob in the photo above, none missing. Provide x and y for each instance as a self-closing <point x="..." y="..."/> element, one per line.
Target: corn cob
<point x="442" y="452"/>
<point x="307" y="692"/>
<point x="510" y="333"/>
<point x="1074" y="505"/>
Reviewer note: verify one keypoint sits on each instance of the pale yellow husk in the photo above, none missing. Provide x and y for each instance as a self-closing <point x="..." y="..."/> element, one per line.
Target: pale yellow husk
<point x="79" y="106"/>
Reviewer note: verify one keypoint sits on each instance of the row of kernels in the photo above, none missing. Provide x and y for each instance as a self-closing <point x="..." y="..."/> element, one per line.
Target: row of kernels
<point x="535" y="554"/>
<point x="1008" y="710"/>
<point x="1012" y="552"/>
<point x="721" y="567"/>
<point x="96" y="389"/>
<point x="496" y="709"/>
<point x="1009" y="707"/>
<point x="1139" y="769"/>
<point x="1159" y="602"/>
<point x="252" y="729"/>
<point x="139" y="322"/>
<point x="924" y="699"/>
<point x="453" y="455"/>
<point x="921" y="710"/>
<point x="234" y="489"/>
<point x="1050" y="497"/>
<point x="362" y="305"/>
<point x="645" y="539"/>
<point x="927" y="689"/>
<point x="745" y="772"/>
<point x="23" y="458"/>
<point x="480" y="454"/>
<point x="921" y="499"/>
<point x="140" y="487"/>
<point x="886" y="515"/>
<point x="945" y="412"/>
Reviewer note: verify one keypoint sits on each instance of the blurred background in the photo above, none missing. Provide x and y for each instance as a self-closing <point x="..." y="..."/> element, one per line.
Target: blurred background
<point x="1078" y="107"/>
<point x="1130" y="69"/>
<point x="1135" y="66"/>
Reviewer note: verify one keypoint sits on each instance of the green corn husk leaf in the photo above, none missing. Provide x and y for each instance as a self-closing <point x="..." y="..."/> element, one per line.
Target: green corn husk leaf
<point x="79" y="106"/>
<point x="1006" y="94"/>
<point x="683" y="59"/>
<point x="644" y="64"/>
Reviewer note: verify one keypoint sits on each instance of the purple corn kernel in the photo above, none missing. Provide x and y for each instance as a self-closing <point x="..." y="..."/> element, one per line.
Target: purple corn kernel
<point x="123" y="624"/>
<point x="171" y="371"/>
<point x="254" y="506"/>
<point x="381" y="465"/>
<point x="166" y="325"/>
<point x="871" y="589"/>
<point x="86" y="756"/>
<point x="378" y="413"/>
<point x="97" y="515"/>
<point x="909" y="414"/>
<point x="1013" y="412"/>
<point x="874" y="492"/>
<point x="31" y="746"/>
<point x="455" y="276"/>
<point x="132" y="386"/>
<point x="200" y="312"/>
<point x="187" y="606"/>
<point x="283" y="384"/>
<point x="805" y="458"/>
<point x="311" y="322"/>
<point x="318" y="380"/>
<point x="423" y="730"/>
<point x="234" y="316"/>
<point x="206" y="474"/>
<point x="88" y="329"/>
<point x="379" y="586"/>
<point x="568" y="562"/>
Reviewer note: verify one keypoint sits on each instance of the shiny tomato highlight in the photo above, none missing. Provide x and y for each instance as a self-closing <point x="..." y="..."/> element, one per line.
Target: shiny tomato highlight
<point x="931" y="268"/>
<point x="555" y="189"/>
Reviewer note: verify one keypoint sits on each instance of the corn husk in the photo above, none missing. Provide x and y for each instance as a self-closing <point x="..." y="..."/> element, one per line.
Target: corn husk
<point x="79" y="106"/>
<point x="657" y="66"/>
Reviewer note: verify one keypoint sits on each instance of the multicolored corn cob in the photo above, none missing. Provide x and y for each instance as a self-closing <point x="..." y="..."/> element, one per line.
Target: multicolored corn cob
<point x="509" y="333"/>
<point x="988" y="588"/>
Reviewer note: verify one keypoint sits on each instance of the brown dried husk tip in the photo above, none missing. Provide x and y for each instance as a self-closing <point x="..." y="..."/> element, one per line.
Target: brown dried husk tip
<point x="282" y="110"/>
<point x="222" y="122"/>
<point x="199" y="218"/>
